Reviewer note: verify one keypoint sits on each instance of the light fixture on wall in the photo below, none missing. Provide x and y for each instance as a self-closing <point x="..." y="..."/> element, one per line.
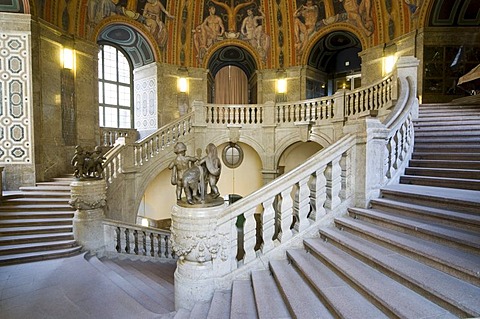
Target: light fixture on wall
<point x="281" y="89"/>
<point x="182" y="84"/>
<point x="68" y="58"/>
<point x="389" y="63"/>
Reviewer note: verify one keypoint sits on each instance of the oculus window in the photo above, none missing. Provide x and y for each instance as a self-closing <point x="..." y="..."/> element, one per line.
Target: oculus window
<point x="114" y="88"/>
<point x="232" y="155"/>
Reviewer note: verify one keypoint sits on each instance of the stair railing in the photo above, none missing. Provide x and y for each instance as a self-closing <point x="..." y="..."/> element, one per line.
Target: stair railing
<point x="135" y="241"/>
<point x="262" y="225"/>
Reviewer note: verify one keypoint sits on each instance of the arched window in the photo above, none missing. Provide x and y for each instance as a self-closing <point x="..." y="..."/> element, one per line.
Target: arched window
<point x="114" y="88"/>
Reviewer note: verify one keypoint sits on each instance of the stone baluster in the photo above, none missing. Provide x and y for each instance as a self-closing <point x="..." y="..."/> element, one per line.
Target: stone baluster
<point x="318" y="194"/>
<point x="88" y="197"/>
<point x="285" y="215"/>
<point x="345" y="164"/>
<point x="333" y="174"/>
<point x="249" y="236"/>
<point x="301" y="205"/>
<point x="268" y="225"/>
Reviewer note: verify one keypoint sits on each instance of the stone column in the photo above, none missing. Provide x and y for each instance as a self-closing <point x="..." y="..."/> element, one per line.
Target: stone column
<point x="88" y="197"/>
<point x="197" y="243"/>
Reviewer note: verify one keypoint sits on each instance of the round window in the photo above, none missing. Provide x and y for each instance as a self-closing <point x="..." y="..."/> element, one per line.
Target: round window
<point x="232" y="155"/>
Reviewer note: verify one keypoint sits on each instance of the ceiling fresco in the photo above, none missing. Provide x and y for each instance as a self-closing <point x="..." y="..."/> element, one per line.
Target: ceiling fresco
<point x="275" y="33"/>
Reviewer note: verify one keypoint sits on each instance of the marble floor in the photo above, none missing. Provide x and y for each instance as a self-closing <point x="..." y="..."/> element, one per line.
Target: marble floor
<point x="64" y="288"/>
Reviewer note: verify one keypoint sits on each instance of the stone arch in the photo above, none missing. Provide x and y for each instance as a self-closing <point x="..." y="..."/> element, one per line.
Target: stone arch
<point x="328" y="30"/>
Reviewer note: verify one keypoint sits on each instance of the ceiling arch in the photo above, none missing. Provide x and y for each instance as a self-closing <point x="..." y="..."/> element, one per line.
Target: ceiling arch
<point x="453" y="13"/>
<point x="331" y="50"/>
<point x="132" y="42"/>
<point x="232" y="55"/>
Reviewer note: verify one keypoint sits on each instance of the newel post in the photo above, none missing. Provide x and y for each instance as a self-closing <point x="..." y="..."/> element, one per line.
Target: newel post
<point x="89" y="198"/>
<point x="370" y="155"/>
<point x="407" y="67"/>
<point x="199" y="113"/>
<point x="199" y="245"/>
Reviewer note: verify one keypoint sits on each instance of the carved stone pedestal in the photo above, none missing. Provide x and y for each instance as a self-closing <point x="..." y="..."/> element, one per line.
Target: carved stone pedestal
<point x="198" y="244"/>
<point x="88" y="197"/>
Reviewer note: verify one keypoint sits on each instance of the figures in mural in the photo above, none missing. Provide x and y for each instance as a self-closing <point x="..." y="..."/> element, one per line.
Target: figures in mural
<point x="152" y="15"/>
<point x="305" y="21"/>
<point x="413" y="6"/>
<point x="358" y="14"/>
<point x="252" y="31"/>
<point x="152" y="12"/>
<point x="207" y="33"/>
<point x="232" y="13"/>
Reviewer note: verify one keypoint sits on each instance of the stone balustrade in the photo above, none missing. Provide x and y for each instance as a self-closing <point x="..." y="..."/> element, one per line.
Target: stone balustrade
<point x="136" y="241"/>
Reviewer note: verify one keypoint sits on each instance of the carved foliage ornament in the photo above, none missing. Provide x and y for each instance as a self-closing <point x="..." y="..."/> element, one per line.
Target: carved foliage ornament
<point x="200" y="247"/>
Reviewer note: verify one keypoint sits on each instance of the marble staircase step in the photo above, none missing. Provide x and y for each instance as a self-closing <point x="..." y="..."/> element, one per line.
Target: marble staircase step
<point x="456" y="262"/>
<point x="440" y="148"/>
<point x="35" y="207"/>
<point x="39" y="255"/>
<point x="461" y="200"/>
<point x="199" y="311"/>
<point x="458" y="183"/>
<point x="437" y="215"/>
<point x="397" y="298"/>
<point x="220" y="306"/>
<point x="21" y="214"/>
<point x="29" y="222"/>
<point x="143" y="298"/>
<point x="341" y="297"/>
<point x="146" y="284"/>
<point x="268" y="298"/>
<point x="443" y="172"/>
<point x="446" y="235"/>
<point x="453" y="294"/>
<point x="301" y="299"/>
<point x="19" y="248"/>
<point x="448" y="161"/>
<point x="243" y="300"/>
<point x="46" y="188"/>
<point x="29" y="230"/>
<point x="34" y="238"/>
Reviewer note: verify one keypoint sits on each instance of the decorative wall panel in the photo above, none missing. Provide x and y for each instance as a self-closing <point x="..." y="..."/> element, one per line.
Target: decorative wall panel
<point x="15" y="112"/>
<point x="146" y="104"/>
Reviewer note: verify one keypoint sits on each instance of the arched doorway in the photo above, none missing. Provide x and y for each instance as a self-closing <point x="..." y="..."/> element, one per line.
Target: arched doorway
<point x="333" y="63"/>
<point x="232" y="70"/>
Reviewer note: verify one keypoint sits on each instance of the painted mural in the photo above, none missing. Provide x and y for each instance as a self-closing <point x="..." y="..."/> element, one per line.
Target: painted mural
<point x="151" y="13"/>
<point x="231" y="19"/>
<point x="311" y="16"/>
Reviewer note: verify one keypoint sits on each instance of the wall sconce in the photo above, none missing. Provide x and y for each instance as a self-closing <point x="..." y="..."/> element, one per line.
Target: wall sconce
<point x="145" y="222"/>
<point x="67" y="58"/>
<point x="282" y="86"/>
<point x="182" y="84"/>
<point x="389" y="63"/>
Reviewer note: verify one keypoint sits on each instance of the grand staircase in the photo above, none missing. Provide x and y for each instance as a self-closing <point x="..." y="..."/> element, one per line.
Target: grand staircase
<point x="414" y="253"/>
<point x="36" y="223"/>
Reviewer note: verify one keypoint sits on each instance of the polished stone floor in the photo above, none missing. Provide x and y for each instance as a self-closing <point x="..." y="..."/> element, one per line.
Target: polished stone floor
<point x="64" y="288"/>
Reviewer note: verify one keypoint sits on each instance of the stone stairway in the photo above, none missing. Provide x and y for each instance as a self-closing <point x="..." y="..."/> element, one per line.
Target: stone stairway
<point x="447" y="147"/>
<point x="415" y="253"/>
<point x="148" y="283"/>
<point x="36" y="223"/>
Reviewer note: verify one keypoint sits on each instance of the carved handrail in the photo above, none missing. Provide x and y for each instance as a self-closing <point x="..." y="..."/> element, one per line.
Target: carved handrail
<point x="234" y="114"/>
<point x="109" y="135"/>
<point x="364" y="100"/>
<point x="150" y="146"/>
<point x="136" y="240"/>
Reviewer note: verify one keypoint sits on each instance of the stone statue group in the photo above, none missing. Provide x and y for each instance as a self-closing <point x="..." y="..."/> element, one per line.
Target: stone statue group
<point x="88" y="164"/>
<point x="192" y="175"/>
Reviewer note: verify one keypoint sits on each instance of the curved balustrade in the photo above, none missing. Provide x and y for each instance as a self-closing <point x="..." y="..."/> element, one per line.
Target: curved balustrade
<point x="151" y="145"/>
<point x="305" y="111"/>
<point x="234" y="114"/>
<point x="362" y="101"/>
<point x="135" y="240"/>
<point x="109" y="135"/>
<point x="112" y="164"/>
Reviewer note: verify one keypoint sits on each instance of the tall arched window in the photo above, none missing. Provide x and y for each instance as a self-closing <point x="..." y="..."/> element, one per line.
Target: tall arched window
<point x="114" y="88"/>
